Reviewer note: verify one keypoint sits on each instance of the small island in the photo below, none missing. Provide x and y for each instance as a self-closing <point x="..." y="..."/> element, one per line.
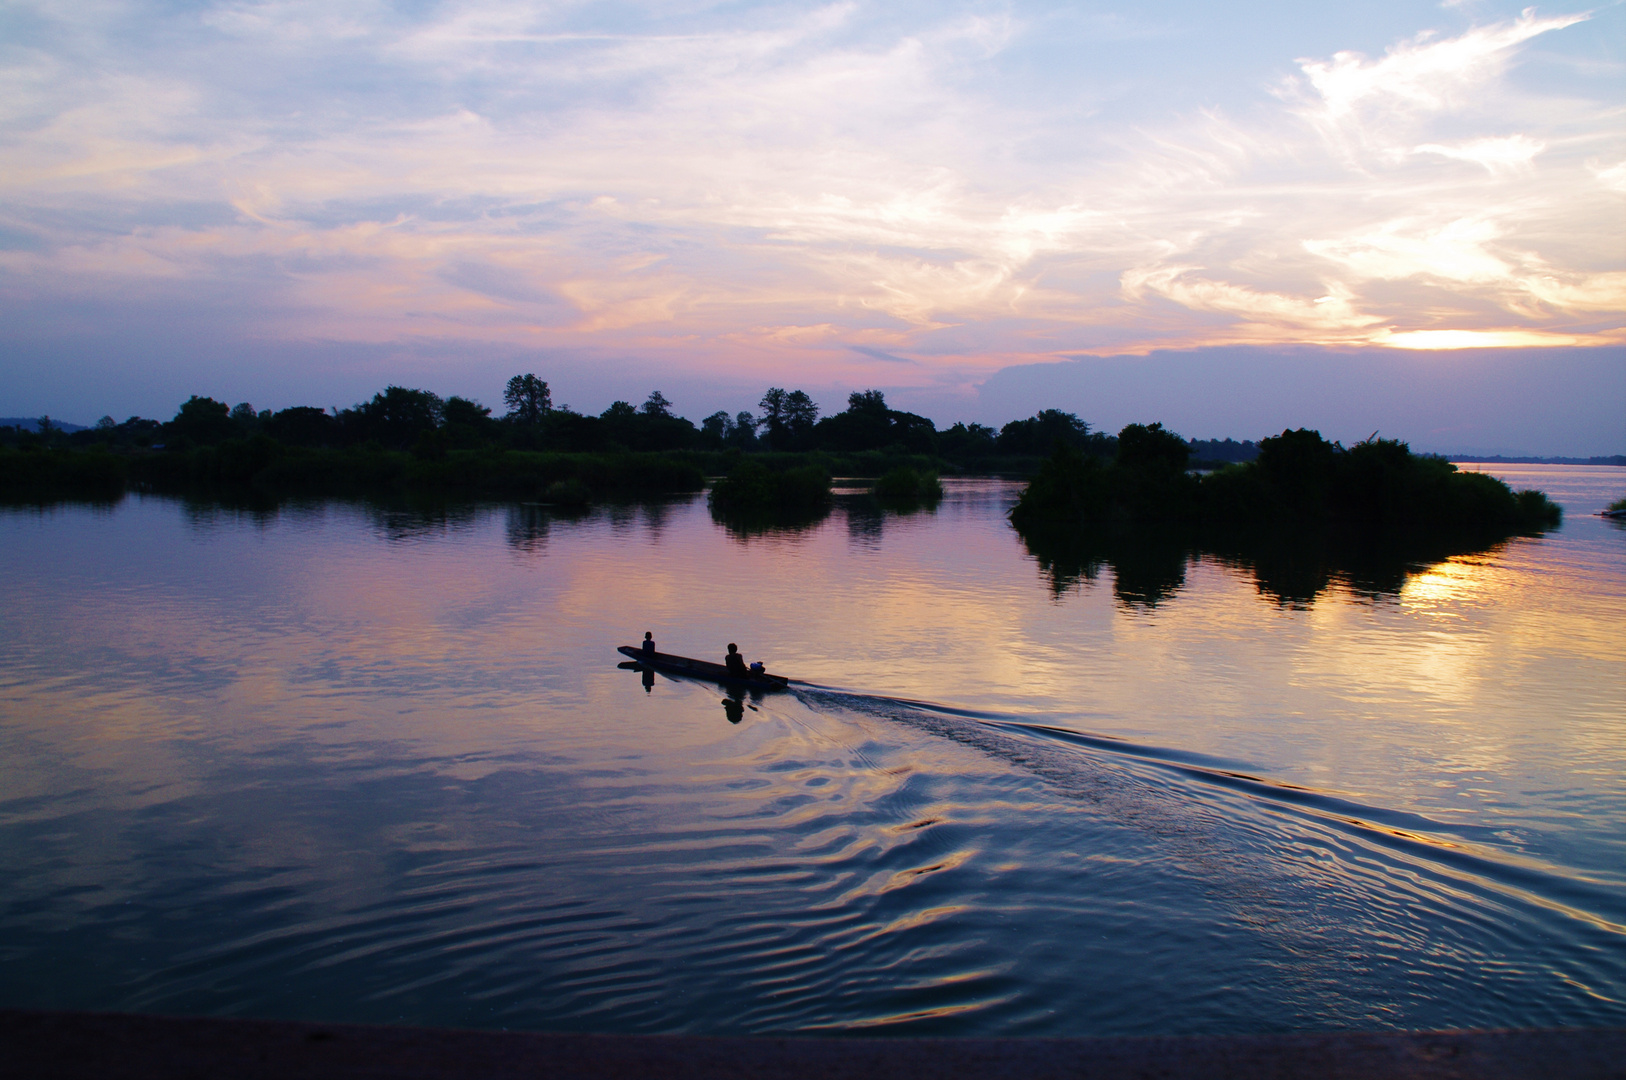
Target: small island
<point x="1303" y="513"/>
<point x="1298" y="479"/>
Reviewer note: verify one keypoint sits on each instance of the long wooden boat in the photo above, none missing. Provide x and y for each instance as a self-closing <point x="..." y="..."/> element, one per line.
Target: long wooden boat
<point x="702" y="669"/>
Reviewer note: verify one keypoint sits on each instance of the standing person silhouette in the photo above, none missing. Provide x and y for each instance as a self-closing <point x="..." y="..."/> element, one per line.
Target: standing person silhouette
<point x="735" y="663"/>
<point x="648" y="646"/>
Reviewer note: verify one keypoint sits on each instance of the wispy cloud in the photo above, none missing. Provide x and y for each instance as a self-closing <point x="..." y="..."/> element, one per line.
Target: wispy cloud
<point x="1428" y="74"/>
<point x="727" y="185"/>
<point x="1509" y="153"/>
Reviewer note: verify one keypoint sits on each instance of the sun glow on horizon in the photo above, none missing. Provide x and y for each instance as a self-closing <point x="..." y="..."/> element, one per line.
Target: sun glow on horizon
<point x="1439" y="340"/>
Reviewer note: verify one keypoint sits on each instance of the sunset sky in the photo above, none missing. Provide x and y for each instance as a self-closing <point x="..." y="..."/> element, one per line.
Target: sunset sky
<point x="1232" y="217"/>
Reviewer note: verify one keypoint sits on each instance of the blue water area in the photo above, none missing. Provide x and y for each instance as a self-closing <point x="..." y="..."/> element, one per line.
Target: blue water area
<point x="354" y="762"/>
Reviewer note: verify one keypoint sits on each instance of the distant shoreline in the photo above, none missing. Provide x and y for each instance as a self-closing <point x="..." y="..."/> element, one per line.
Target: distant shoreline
<point x="1498" y="459"/>
<point x="29" y="423"/>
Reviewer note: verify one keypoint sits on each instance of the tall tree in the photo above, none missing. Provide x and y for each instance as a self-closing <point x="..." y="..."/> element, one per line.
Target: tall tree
<point x="773" y="415"/>
<point x="800" y="413"/>
<point x="717" y="427"/>
<point x="1039" y="434"/>
<point x="657" y="405"/>
<point x="465" y="412"/>
<point x="397" y="417"/>
<point x="1149" y="446"/>
<point x="867" y="401"/>
<point x="202" y="420"/>
<point x="528" y="399"/>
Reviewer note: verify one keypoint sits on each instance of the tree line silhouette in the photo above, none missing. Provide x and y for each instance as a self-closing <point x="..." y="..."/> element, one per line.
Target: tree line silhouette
<point x="777" y="460"/>
<point x="419" y="421"/>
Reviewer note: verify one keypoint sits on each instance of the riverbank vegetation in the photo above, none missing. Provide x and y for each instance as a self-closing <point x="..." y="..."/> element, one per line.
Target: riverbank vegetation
<point x="752" y="487"/>
<point x="406" y="440"/>
<point x="1298" y="479"/>
<point x="778" y="461"/>
<point x="1305" y="512"/>
<point x="905" y="484"/>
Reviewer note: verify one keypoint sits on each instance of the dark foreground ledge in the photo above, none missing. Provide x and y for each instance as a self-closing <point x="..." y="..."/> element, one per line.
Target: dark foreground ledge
<point x="116" y="1046"/>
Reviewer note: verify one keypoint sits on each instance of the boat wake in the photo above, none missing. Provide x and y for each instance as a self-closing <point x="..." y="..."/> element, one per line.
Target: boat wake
<point x="1325" y="865"/>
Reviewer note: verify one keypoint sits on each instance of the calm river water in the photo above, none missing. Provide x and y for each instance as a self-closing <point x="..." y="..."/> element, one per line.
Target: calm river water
<point x="345" y="762"/>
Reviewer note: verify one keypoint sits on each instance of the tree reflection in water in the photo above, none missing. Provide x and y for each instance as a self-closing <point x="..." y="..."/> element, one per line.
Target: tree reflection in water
<point x="1292" y="569"/>
<point x="410" y="519"/>
<point x="868" y="514"/>
<point x="762" y="524"/>
<point x="526" y="527"/>
<point x="1147" y="568"/>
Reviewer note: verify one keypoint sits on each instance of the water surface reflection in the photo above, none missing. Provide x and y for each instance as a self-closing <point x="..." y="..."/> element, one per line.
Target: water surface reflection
<point x="378" y="763"/>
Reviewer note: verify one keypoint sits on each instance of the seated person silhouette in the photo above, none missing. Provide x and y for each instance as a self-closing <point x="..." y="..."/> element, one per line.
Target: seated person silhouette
<point x="735" y="663"/>
<point x="648" y="647"/>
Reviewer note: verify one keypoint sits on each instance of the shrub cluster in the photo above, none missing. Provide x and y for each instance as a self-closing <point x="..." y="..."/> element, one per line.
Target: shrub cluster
<point x="1298" y="479"/>
<point x="905" y="483"/>
<point x="753" y="488"/>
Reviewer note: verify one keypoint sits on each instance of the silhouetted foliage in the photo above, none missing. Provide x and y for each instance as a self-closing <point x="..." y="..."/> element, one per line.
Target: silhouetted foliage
<point x="465" y="412"/>
<point x="968" y="441"/>
<point x="303" y="425"/>
<point x="202" y="421"/>
<point x="1298" y="478"/>
<point x="465" y="424"/>
<point x="410" y="439"/>
<point x="1376" y="484"/>
<point x="1209" y="452"/>
<point x="751" y="486"/>
<point x="906" y="484"/>
<point x="652" y="428"/>
<point x="1148" y="446"/>
<point x="868" y="424"/>
<point x="787" y="418"/>
<point x="719" y="431"/>
<point x="528" y="399"/>
<point x="109" y="435"/>
<point x="38" y="473"/>
<point x="396" y="418"/>
<point x="754" y="500"/>
<point x="1306" y="512"/>
<point x="246" y="420"/>
<point x="1039" y="435"/>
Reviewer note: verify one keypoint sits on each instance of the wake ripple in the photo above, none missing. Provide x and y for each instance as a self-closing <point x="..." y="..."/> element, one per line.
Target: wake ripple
<point x="1446" y="889"/>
